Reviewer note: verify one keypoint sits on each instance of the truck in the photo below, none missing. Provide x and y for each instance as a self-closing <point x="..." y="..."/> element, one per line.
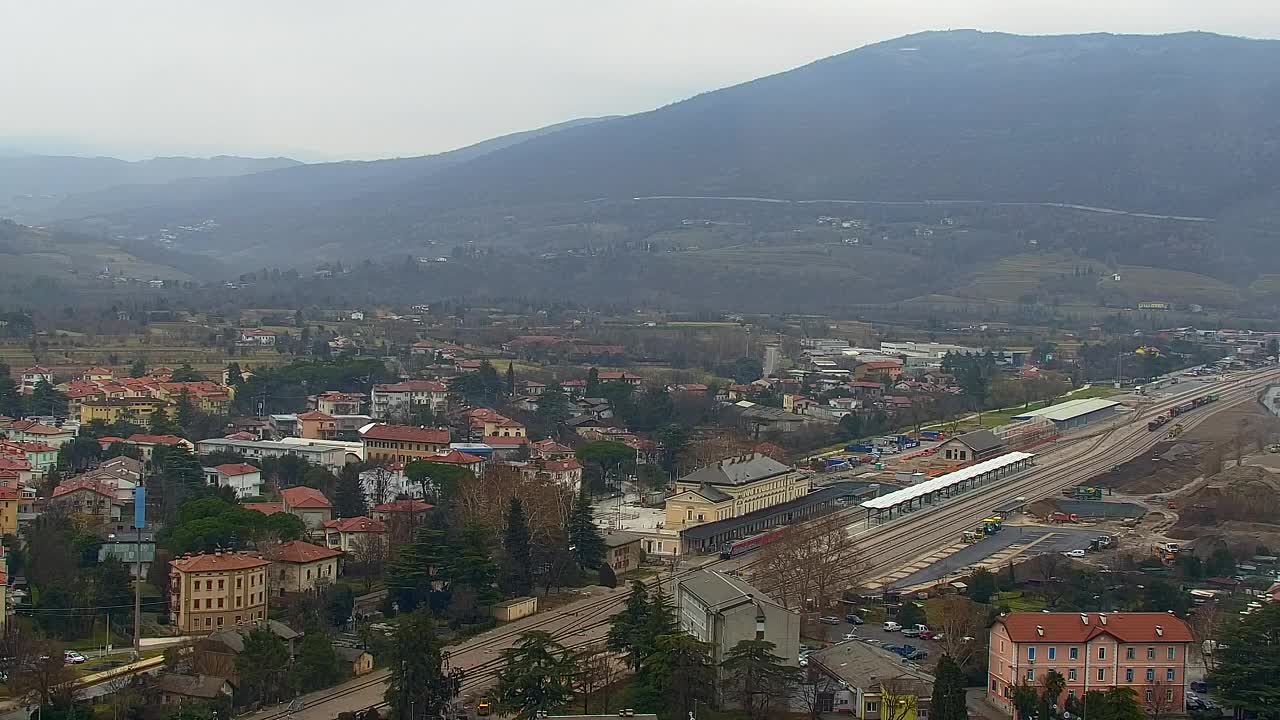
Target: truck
<point x="1061" y="517"/>
<point x="859" y="448"/>
<point x="930" y="435"/>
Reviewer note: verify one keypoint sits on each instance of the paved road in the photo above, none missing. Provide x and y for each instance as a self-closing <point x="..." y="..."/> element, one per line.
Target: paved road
<point x="1014" y="540"/>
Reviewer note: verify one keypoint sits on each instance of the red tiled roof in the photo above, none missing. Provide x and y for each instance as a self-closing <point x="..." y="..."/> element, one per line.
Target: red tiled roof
<point x="304" y="497"/>
<point x="70" y="486"/>
<point x="8" y="493"/>
<point x="356" y="524"/>
<point x="37" y="370"/>
<point x="617" y="375"/>
<point x="8" y="462"/>
<point x="561" y="465"/>
<point x="1128" y="627"/>
<point x="97" y="371"/>
<point x="867" y="384"/>
<point x="297" y="551"/>
<point x="501" y="441"/>
<point x="109" y="440"/>
<point x="406" y="433"/>
<point x="881" y="364"/>
<point x="38" y="429"/>
<point x="267" y="508"/>
<point x="242" y="436"/>
<point x="574" y="383"/>
<point x="234" y="469"/>
<point x="413" y="386"/>
<point x="455" y="457"/>
<point x="142" y="439"/>
<point x="314" y="415"/>
<point x="205" y="562"/>
<point x="407" y="506"/>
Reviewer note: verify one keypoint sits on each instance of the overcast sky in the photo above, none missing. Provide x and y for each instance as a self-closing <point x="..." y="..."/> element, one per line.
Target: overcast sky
<point x="321" y="79"/>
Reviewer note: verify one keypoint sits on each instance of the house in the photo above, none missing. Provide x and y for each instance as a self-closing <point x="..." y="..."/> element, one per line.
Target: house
<point x="1143" y="651"/>
<point x="970" y="447"/>
<point x="137" y="553"/>
<point x="619" y="376"/>
<point x="507" y="446"/>
<point x="10" y="498"/>
<point x="733" y="487"/>
<point x="355" y="661"/>
<point x="316" y="425"/>
<point x="308" y="505"/>
<point x="722" y="610"/>
<point x="574" y="388"/>
<point x="41" y="457"/>
<point x="208" y="592"/>
<point x="550" y="450"/>
<point x="474" y="463"/>
<point x="256" y="336"/>
<point x="245" y="479"/>
<point x="176" y="688"/>
<point x="566" y="473"/>
<point x="97" y="374"/>
<point x="216" y="654"/>
<point x="332" y="455"/>
<point x="624" y="550"/>
<point x="409" y="510"/>
<point x="583" y="424"/>
<point x="28" y="378"/>
<point x="533" y="387"/>
<point x="148" y="443"/>
<point x="884" y="371"/>
<point x="332" y="402"/>
<point x="402" y="443"/>
<point x="862" y="680"/>
<point x="398" y="401"/>
<point x="298" y="566"/>
<point x="353" y="534"/>
<point x="36" y="432"/>
<point x="90" y="497"/>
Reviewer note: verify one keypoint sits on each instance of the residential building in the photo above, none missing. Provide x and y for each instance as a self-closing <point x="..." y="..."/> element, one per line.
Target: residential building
<point x="298" y="566"/>
<point x="15" y="471"/>
<point x="245" y="479"/>
<point x="970" y="447"/>
<point x="550" y="450"/>
<point x="619" y="376"/>
<point x="208" y="592"/>
<point x="566" y="473"/>
<point x="307" y="504"/>
<point x="355" y="661"/>
<point x="255" y="336"/>
<point x="10" y="498"/>
<point x="41" y="457"/>
<point x="411" y="511"/>
<point x="315" y="425"/>
<point x="398" y="401"/>
<point x="97" y="374"/>
<point x="147" y="444"/>
<point x="28" y="378"/>
<point x="333" y="402"/>
<point x="127" y="547"/>
<point x="624" y="550"/>
<point x="402" y="443"/>
<point x="332" y="455"/>
<point x="135" y="410"/>
<point x="89" y="497"/>
<point x="175" y="689"/>
<point x="36" y="432"/>
<point x="1146" y="652"/>
<point x="216" y="654"/>
<point x="474" y="463"/>
<point x="733" y="487"/>
<point x="353" y="534"/>
<point x="722" y="610"/>
<point x="869" y="683"/>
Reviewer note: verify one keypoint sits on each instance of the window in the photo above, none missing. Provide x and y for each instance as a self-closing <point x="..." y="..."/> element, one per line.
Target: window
<point x="222" y="584"/>
<point x="219" y="621"/>
<point x="1168" y="695"/>
<point x="1128" y="653"/>
<point x="219" y="603"/>
<point x="1151" y="675"/>
<point x="1031" y="653"/>
<point x="237" y="619"/>
<point x="873" y="707"/>
<point x="208" y="622"/>
<point x="1168" y="675"/>
<point x="1002" y="646"/>
<point x="1053" y="653"/>
<point x="1031" y="674"/>
<point x="1147" y="695"/>
<point x="1102" y="653"/>
<point x="1102" y="674"/>
<point x="1071" y="675"/>
<point x="1074" y="653"/>
<point x="239" y="582"/>
<point x="1173" y="653"/>
<point x="208" y="584"/>
<point x="1071" y="693"/>
<point x="1128" y="674"/>
<point x="239" y="600"/>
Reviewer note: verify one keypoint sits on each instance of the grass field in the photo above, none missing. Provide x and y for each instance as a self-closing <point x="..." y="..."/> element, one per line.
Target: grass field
<point x="69" y="355"/>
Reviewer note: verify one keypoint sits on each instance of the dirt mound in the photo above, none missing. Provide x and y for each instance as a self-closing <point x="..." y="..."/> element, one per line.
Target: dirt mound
<point x="1248" y="494"/>
<point x="1169" y="466"/>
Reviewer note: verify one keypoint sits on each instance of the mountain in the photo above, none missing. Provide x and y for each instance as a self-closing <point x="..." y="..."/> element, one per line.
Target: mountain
<point x="1181" y="125"/>
<point x="30" y="183"/>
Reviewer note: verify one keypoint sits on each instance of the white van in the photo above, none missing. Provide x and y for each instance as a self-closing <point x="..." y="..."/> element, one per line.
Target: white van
<point x="891" y="626"/>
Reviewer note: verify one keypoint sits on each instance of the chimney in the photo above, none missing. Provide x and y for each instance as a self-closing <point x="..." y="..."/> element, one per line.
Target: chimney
<point x="1040" y="630"/>
<point x="1159" y="631"/>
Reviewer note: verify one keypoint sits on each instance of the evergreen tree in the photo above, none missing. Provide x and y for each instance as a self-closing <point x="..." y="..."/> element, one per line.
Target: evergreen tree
<point x="186" y="373"/>
<point x="185" y="413"/>
<point x="412" y="576"/>
<point x="420" y="684"/>
<point x="511" y="379"/>
<point x="472" y="574"/>
<point x="553" y="407"/>
<point x="536" y="676"/>
<point x="661" y="620"/>
<point x="235" y="376"/>
<point x="754" y="677"/>
<point x="10" y="397"/>
<point x="348" y="500"/>
<point x="588" y="546"/>
<point x="46" y="400"/>
<point x="948" y="692"/>
<point x="517" y="570"/>
<point x="593" y="383"/>
<point x="161" y="424"/>
<point x="317" y="665"/>
<point x="137" y="369"/>
<point x="626" y="629"/>
<point x="1249" y="663"/>
<point x="263" y="667"/>
<point x="678" y="675"/>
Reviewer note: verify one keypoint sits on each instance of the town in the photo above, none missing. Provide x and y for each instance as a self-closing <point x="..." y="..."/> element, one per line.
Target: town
<point x="386" y="510"/>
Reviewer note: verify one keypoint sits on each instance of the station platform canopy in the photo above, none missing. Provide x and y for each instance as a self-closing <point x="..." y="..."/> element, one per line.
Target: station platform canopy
<point x="951" y="479"/>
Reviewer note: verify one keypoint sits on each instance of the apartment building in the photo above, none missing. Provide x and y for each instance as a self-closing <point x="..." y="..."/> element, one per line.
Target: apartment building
<point x="212" y="591"/>
<point x="399" y="400"/>
<point x="1146" y="652"/>
<point x="402" y="443"/>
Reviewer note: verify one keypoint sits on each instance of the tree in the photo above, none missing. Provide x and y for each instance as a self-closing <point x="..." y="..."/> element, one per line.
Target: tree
<point x="982" y="585"/>
<point x="1221" y="563"/>
<point x="439" y="481"/>
<point x="185" y="413"/>
<point x="596" y="673"/>
<point x="754" y="677"/>
<point x="471" y="573"/>
<point x="33" y="664"/>
<point x="584" y="536"/>
<point x="421" y="683"/>
<point x="536" y="676"/>
<point x="415" y="575"/>
<point x="317" y="665"/>
<point x="962" y="620"/>
<point x="1051" y="686"/>
<point x="948" y="691"/>
<point x="910" y="614"/>
<point x="511" y="379"/>
<point x="137" y="369"/>
<point x="1249" y="663"/>
<point x="626" y="629"/>
<point x="674" y="439"/>
<point x="348" y="500"/>
<point x="1026" y="701"/>
<point x="1207" y="623"/>
<point x="263" y="668"/>
<point x="553" y="406"/>
<point x="517" y="570"/>
<point x="1158" y="700"/>
<point x="818" y="561"/>
<point x="161" y="424"/>
<point x="681" y="672"/>
<point x="10" y="397"/>
<point x="186" y="373"/>
<point x="46" y="400"/>
<point x="235" y="376"/>
<point x="607" y="455"/>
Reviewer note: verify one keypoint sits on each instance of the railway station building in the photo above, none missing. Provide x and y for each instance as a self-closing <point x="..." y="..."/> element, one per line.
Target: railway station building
<point x="711" y="537"/>
<point x="1073" y="413"/>
<point x="733" y="487"/>
<point x="929" y="492"/>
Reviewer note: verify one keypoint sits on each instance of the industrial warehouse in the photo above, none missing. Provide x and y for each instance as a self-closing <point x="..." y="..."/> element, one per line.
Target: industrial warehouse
<point x="1073" y="413"/>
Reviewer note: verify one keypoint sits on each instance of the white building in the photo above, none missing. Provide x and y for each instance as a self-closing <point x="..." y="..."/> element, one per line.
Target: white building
<point x="399" y="400"/>
<point x="245" y="479"/>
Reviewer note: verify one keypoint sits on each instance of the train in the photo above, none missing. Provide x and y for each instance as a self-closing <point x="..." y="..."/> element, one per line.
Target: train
<point x="734" y="548"/>
<point x="1161" y="420"/>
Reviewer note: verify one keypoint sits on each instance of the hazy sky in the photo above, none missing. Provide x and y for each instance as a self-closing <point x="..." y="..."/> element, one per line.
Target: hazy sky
<point x="325" y="79"/>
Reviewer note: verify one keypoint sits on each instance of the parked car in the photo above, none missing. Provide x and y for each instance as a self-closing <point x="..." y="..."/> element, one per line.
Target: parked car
<point x="851" y="635"/>
<point x="903" y="650"/>
<point x="1199" y="686"/>
<point x="1074" y="553"/>
<point x="829" y="620"/>
<point x="891" y="626"/>
<point x="910" y="632"/>
<point x="73" y="657"/>
<point x="917" y="655"/>
<point x="927" y="635"/>
<point x="853" y="619"/>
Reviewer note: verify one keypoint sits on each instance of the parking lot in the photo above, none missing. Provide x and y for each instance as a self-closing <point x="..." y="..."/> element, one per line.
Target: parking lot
<point x="875" y="632"/>
<point x="995" y="551"/>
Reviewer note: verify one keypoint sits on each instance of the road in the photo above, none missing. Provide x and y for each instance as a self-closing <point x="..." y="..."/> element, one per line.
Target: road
<point x="886" y="546"/>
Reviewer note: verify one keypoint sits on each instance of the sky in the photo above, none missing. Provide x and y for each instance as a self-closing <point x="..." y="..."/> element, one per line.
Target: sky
<point x="321" y="79"/>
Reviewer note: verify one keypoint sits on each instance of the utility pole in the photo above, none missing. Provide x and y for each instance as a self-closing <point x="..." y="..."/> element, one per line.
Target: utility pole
<point x="139" y="522"/>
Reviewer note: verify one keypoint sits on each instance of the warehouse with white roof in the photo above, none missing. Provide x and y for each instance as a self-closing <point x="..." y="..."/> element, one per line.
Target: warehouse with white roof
<point x="1073" y="413"/>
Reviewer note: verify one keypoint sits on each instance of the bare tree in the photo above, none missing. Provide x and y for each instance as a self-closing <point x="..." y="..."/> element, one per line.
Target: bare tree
<point x="961" y="618"/>
<point x="1158" y="700"/>
<point x="899" y="698"/>
<point x="597" y="671"/>
<point x="369" y="556"/>
<point x="817" y="685"/>
<point x="377" y="480"/>
<point x="1206" y="623"/>
<point x="810" y="566"/>
<point x="34" y="664"/>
